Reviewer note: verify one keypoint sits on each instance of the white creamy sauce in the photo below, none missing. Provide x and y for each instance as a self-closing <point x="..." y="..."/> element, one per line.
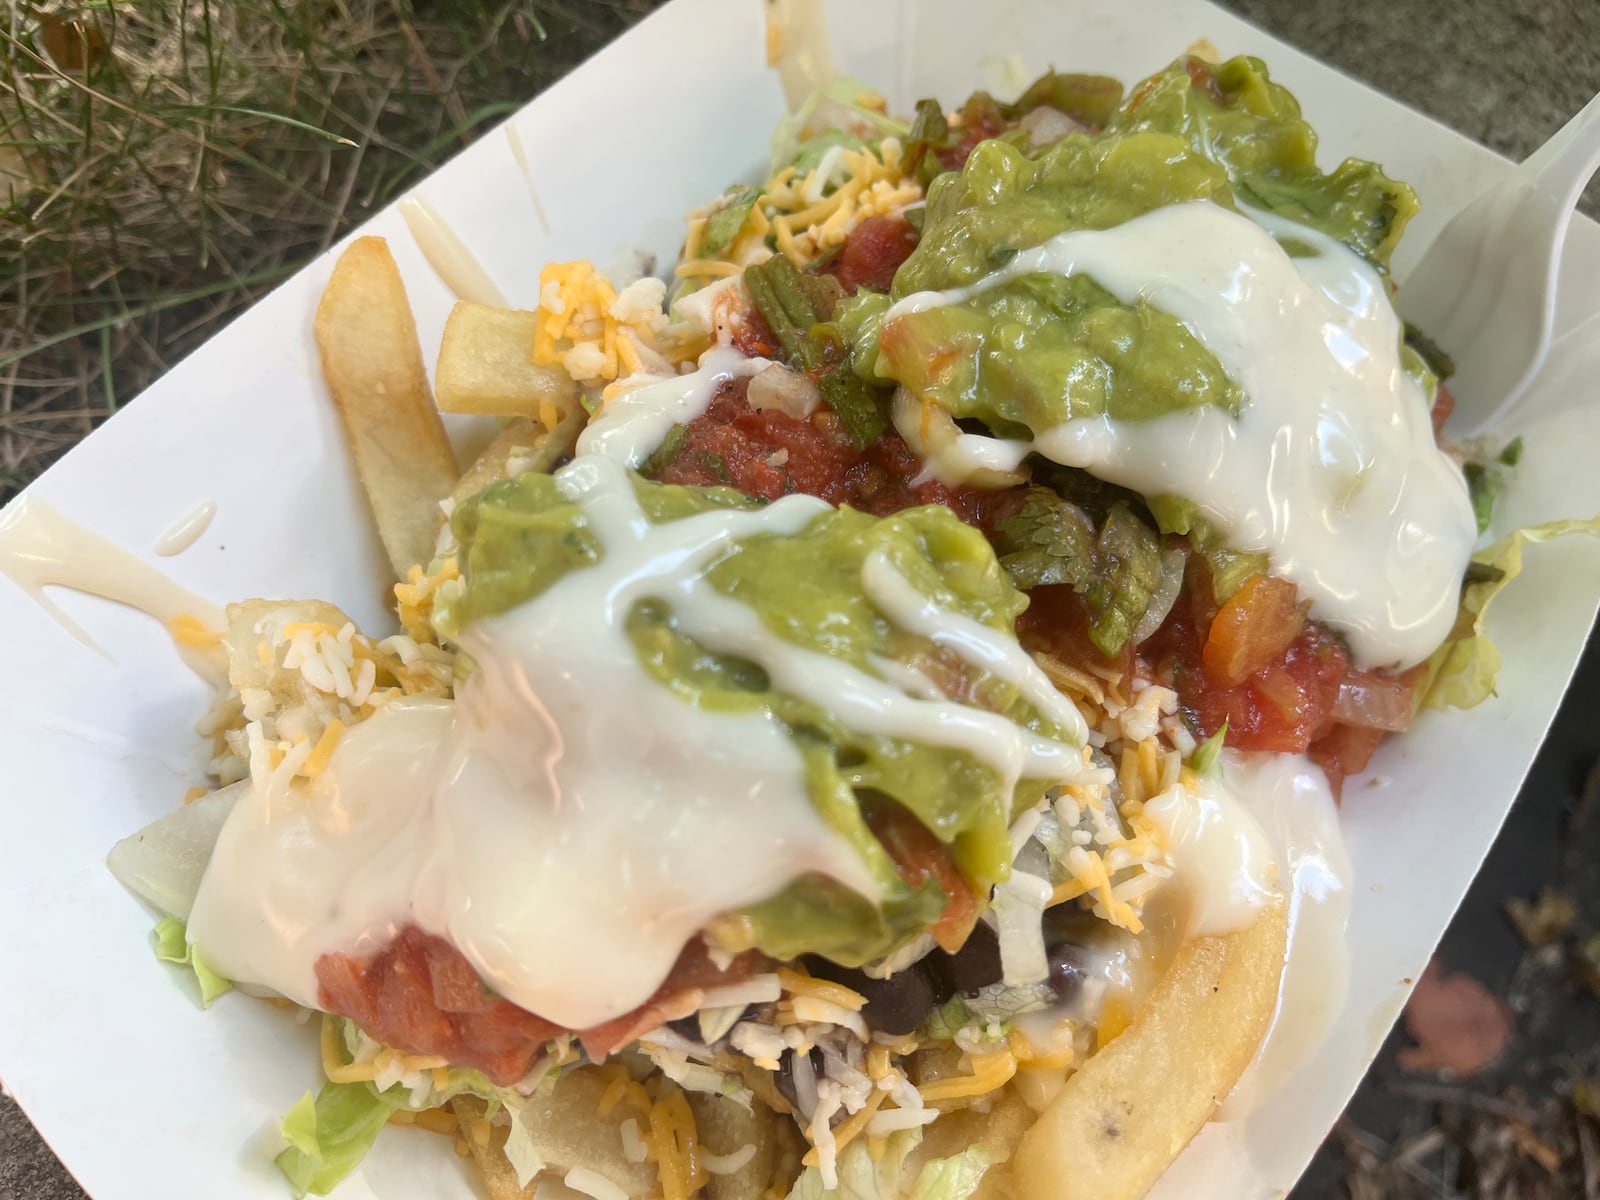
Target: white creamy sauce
<point x="634" y="423"/>
<point x="41" y="547"/>
<point x="514" y="140"/>
<point x="187" y="529"/>
<point x="973" y="641"/>
<point x="1331" y="467"/>
<point x="448" y="255"/>
<point x="1290" y="797"/>
<point x="568" y="823"/>
<point x="1223" y="866"/>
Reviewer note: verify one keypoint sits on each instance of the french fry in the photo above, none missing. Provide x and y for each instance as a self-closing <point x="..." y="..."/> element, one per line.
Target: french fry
<point x="373" y="364"/>
<point x="1124" y="1116"/>
<point x="486" y="366"/>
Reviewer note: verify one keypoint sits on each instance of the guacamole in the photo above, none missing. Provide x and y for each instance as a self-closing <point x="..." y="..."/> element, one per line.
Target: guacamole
<point x="520" y="537"/>
<point x="1044" y="349"/>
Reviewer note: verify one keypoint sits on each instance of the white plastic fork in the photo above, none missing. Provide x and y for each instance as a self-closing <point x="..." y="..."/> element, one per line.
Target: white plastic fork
<point x="1485" y="288"/>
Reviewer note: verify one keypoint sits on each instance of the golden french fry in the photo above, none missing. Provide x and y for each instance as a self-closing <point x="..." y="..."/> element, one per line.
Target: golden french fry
<point x="1124" y="1116"/>
<point x="373" y="364"/>
<point x="486" y="365"/>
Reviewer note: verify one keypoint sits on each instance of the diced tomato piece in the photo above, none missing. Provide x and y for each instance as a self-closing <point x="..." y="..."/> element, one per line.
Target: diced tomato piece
<point x="1343" y="751"/>
<point x="1281" y="707"/>
<point x="1204" y="77"/>
<point x="752" y="336"/>
<point x="873" y="253"/>
<point x="921" y="856"/>
<point x="421" y="995"/>
<point x="772" y="454"/>
<point x="1443" y="405"/>
<point x="1252" y="629"/>
<point x="979" y="122"/>
<point x="1056" y="622"/>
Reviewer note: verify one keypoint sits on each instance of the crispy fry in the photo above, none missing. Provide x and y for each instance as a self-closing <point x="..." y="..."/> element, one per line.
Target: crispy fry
<point x="373" y="364"/>
<point x="1123" y="1118"/>
<point x="486" y="366"/>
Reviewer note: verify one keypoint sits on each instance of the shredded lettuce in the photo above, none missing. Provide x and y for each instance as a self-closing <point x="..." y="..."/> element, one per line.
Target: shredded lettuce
<point x="953" y="1178"/>
<point x="172" y="945"/>
<point x="860" y="1178"/>
<point x="949" y="1019"/>
<point x="1462" y="672"/>
<point x="1205" y="757"/>
<point x="330" y="1134"/>
<point x="724" y="225"/>
<point x="833" y="115"/>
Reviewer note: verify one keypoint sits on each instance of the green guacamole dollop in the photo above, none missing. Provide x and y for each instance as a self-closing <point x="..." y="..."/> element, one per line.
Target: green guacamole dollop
<point x="1044" y="349"/>
<point x="520" y="536"/>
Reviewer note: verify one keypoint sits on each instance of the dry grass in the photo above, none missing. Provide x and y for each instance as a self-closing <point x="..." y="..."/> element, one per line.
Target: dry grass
<point x="163" y="163"/>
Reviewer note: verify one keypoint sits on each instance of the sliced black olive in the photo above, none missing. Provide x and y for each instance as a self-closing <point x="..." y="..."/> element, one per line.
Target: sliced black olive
<point x="898" y="1005"/>
<point x="976" y="965"/>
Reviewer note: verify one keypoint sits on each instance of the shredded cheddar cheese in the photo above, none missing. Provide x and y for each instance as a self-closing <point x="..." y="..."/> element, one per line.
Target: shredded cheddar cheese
<point x="851" y="1128"/>
<point x="192" y="631"/>
<point x="797" y="983"/>
<point x="990" y="1072"/>
<point x="317" y="760"/>
<point x="600" y="335"/>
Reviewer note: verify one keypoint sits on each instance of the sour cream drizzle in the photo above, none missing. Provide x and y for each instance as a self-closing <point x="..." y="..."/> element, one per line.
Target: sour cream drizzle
<point x="569" y="823"/>
<point x="633" y="424"/>
<point x="1331" y="467"/>
<point x="41" y="547"/>
<point x="1223" y="867"/>
<point x="1289" y="796"/>
<point x="187" y="529"/>
<point x="448" y="255"/>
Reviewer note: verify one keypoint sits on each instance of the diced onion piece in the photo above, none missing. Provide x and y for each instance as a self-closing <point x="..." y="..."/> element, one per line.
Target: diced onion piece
<point x="1173" y="562"/>
<point x="163" y="862"/>
<point x="1371" y="701"/>
<point x="1045" y="126"/>
<point x="789" y="392"/>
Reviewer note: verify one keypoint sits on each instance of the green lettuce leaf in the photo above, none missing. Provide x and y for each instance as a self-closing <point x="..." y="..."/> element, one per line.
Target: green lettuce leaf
<point x="724" y="224"/>
<point x="1462" y="672"/>
<point x="172" y="945"/>
<point x="953" y="1178"/>
<point x="831" y="116"/>
<point x="330" y="1134"/>
<point x="860" y="1178"/>
<point x="1206" y="755"/>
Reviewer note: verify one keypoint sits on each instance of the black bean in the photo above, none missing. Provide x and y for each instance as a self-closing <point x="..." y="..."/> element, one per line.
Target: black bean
<point x="1065" y="937"/>
<point x="1067" y="969"/>
<point x="976" y="965"/>
<point x="898" y="1005"/>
